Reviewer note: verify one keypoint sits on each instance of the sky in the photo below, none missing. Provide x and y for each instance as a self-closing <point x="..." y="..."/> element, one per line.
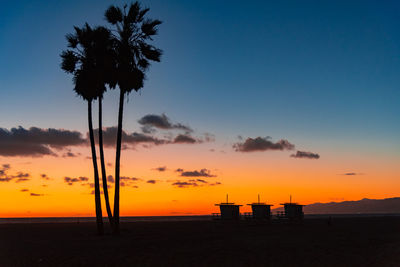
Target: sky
<point x="245" y="86"/>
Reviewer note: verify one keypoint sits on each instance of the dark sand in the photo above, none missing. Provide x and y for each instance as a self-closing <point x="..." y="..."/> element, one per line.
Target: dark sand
<point x="373" y="241"/>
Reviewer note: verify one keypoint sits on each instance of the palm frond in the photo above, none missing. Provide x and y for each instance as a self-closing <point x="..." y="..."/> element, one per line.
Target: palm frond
<point x="142" y="14"/>
<point x="149" y="27"/>
<point x="133" y="13"/>
<point x="69" y="61"/>
<point x="150" y="52"/>
<point x="113" y="15"/>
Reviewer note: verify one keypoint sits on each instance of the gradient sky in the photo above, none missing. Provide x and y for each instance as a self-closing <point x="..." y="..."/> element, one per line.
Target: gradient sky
<point x="322" y="74"/>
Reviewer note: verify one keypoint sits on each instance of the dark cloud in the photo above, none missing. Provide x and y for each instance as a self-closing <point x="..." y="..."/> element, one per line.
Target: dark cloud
<point x="179" y="170"/>
<point x="199" y="180"/>
<point x="36" y="195"/>
<point x="185" y="139"/>
<point x="193" y="183"/>
<point x="351" y="173"/>
<point x="44" y="176"/>
<point x="161" y="169"/>
<point x="110" y="179"/>
<point x="305" y="155"/>
<point x="151" y="181"/>
<point x="262" y="144"/>
<point x="70" y="155"/>
<point x="129" y="181"/>
<point x="201" y="173"/>
<point x="110" y="138"/>
<point x="71" y="181"/>
<point x="18" y="178"/>
<point x="160" y="122"/>
<point x="181" y="184"/>
<point x="24" y="190"/>
<point x="37" y="142"/>
<point x="4" y="169"/>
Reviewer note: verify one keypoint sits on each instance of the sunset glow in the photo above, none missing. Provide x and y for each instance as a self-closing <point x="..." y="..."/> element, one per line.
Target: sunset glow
<point x="287" y="112"/>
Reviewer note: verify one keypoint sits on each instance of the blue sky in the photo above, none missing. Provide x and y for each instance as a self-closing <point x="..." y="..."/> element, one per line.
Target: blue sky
<point x="320" y="73"/>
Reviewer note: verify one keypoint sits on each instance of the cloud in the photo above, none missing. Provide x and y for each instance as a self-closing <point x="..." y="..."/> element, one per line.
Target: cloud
<point x="44" y="176"/>
<point x="151" y="181"/>
<point x="71" y="181"/>
<point x="18" y="178"/>
<point x="179" y="170"/>
<point x="185" y="139"/>
<point x="36" y="142"/>
<point x="306" y="155"/>
<point x="262" y="144"/>
<point x="195" y="173"/>
<point x="199" y="180"/>
<point x="351" y="173"/>
<point x="193" y="183"/>
<point x="161" y="169"/>
<point x="129" y="181"/>
<point x="70" y="155"/>
<point x="110" y="138"/>
<point x="125" y="178"/>
<point x="181" y="184"/>
<point x="36" y="195"/>
<point x="110" y="179"/>
<point x="24" y="190"/>
<point x="161" y="122"/>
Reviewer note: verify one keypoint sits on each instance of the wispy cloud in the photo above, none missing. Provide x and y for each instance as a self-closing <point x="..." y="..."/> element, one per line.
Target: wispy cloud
<point x="195" y="173"/>
<point x="19" y="177"/>
<point x="161" y="169"/>
<point x="351" y="173"/>
<point x="151" y="121"/>
<point x="305" y="155"/>
<point x="71" y="181"/>
<point x="36" y="195"/>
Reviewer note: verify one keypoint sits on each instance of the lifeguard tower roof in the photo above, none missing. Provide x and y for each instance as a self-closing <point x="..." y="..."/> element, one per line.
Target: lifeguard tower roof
<point x="227" y="204"/>
<point x="259" y="203"/>
<point x="292" y="204"/>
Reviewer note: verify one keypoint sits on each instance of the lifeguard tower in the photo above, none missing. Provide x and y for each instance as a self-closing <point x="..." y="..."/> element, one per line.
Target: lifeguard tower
<point x="261" y="211"/>
<point x="293" y="211"/>
<point x="229" y="211"/>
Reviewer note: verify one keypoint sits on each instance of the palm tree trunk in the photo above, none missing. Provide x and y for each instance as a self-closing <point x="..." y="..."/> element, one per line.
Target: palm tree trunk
<point x="117" y="162"/>
<point x="103" y="166"/>
<point x="99" y="218"/>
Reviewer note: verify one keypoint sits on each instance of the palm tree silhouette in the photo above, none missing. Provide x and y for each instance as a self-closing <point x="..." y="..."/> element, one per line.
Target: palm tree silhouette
<point x="133" y="52"/>
<point x="89" y="59"/>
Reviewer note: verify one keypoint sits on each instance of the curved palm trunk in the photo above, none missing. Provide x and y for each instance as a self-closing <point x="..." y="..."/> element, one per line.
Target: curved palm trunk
<point x="103" y="166"/>
<point x="117" y="162"/>
<point x="99" y="218"/>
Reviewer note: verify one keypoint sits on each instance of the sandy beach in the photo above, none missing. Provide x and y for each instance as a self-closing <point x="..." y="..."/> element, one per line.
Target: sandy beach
<point x="372" y="241"/>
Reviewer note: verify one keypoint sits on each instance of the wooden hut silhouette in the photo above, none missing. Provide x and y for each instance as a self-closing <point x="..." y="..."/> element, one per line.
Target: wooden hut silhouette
<point x="229" y="211"/>
<point x="260" y="211"/>
<point x="293" y="211"/>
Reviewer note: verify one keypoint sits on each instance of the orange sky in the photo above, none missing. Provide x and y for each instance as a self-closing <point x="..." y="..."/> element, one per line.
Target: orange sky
<point x="271" y="174"/>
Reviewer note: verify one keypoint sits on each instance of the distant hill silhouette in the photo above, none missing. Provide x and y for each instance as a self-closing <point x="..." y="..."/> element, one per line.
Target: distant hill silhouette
<point x="387" y="205"/>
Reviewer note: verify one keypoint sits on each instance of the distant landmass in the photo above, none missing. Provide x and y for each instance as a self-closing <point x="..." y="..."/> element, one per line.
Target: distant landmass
<point x="387" y="205"/>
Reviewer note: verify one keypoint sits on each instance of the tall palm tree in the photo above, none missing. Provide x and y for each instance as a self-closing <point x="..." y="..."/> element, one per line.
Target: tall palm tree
<point x="132" y="33"/>
<point x="88" y="61"/>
